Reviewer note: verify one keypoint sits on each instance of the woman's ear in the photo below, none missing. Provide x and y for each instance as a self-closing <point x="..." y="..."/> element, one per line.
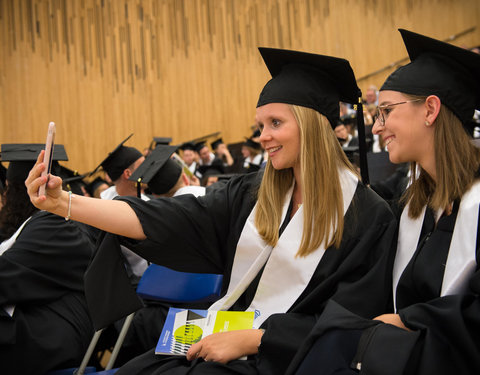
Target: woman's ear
<point x="432" y="105"/>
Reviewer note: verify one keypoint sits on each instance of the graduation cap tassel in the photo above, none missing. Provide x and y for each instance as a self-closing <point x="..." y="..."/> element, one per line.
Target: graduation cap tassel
<point x="362" y="142"/>
<point x="139" y="188"/>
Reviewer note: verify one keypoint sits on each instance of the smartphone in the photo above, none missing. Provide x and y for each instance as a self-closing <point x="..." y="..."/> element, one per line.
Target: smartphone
<point x="48" y="156"/>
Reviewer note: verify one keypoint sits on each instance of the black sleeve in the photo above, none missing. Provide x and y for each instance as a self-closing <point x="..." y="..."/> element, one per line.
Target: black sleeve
<point x="47" y="259"/>
<point x="188" y="233"/>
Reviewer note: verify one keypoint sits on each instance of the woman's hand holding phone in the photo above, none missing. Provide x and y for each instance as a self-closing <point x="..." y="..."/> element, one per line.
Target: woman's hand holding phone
<point x="39" y="179"/>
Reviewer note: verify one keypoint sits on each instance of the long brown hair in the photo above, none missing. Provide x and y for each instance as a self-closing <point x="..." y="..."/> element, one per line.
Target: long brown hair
<point x="456" y="162"/>
<point x="320" y="157"/>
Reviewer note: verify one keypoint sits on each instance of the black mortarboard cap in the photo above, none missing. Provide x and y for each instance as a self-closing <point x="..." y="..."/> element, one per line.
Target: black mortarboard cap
<point x="158" y="171"/>
<point x="72" y="180"/>
<point x="348" y="119"/>
<point x="308" y="80"/>
<point x="199" y="146"/>
<point x="94" y="185"/>
<point x="438" y="68"/>
<point x="251" y="143"/>
<point x="314" y="81"/>
<point x="119" y="159"/>
<point x="211" y="170"/>
<point x="23" y="156"/>
<point x="187" y="146"/>
<point x="160" y="141"/>
<point x="216" y="143"/>
<point x="256" y="133"/>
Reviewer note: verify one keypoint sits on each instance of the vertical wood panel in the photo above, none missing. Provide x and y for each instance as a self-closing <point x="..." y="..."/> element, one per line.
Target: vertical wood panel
<point x="182" y="68"/>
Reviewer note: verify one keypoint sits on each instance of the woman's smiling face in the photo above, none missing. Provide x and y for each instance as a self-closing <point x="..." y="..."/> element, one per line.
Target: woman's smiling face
<point x="404" y="130"/>
<point x="280" y="135"/>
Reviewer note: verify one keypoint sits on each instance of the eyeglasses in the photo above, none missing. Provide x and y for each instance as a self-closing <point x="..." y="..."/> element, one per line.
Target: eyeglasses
<point x="383" y="111"/>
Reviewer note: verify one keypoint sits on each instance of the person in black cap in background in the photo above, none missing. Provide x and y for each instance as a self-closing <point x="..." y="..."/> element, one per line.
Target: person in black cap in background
<point x="344" y="137"/>
<point x="425" y="114"/>
<point x="222" y="153"/>
<point x="206" y="161"/>
<point x="95" y="187"/>
<point x="119" y="165"/>
<point x="44" y="321"/>
<point x="164" y="176"/>
<point x="189" y="154"/>
<point x="307" y="228"/>
<point x="253" y="153"/>
<point x="206" y="157"/>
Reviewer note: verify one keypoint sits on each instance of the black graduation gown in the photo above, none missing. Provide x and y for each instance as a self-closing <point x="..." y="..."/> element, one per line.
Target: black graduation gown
<point x="445" y="336"/>
<point x="42" y="275"/>
<point x="201" y="235"/>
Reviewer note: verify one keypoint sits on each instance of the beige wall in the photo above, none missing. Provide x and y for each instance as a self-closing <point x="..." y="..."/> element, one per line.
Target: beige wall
<point x="102" y="69"/>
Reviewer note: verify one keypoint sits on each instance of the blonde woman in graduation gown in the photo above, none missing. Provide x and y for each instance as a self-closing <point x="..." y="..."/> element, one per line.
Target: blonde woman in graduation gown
<point x="286" y="241"/>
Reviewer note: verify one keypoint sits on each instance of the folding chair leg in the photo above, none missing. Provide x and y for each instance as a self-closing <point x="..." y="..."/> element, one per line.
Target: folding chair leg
<point x="119" y="342"/>
<point x="89" y="352"/>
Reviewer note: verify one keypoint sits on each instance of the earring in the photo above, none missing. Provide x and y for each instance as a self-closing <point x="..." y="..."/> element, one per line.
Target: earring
<point x="427" y="123"/>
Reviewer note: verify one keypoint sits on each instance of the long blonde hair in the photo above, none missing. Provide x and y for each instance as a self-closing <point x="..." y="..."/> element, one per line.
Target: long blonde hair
<point x="456" y="162"/>
<point x="320" y="157"/>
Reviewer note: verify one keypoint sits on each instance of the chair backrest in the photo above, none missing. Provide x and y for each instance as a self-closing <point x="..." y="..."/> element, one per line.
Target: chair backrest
<point x="160" y="284"/>
<point x="164" y="284"/>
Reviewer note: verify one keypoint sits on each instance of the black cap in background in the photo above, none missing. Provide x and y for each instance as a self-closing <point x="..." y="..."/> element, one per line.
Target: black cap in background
<point x="119" y="159"/>
<point x="22" y="157"/>
<point x="158" y="171"/>
<point x="187" y="146"/>
<point x="216" y="143"/>
<point x="160" y="141"/>
<point x="200" y="145"/>
<point x="438" y="68"/>
<point x="94" y="185"/>
<point x="251" y="143"/>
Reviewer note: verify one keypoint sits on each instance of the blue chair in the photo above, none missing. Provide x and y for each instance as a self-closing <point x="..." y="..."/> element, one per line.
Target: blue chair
<point x="158" y="283"/>
<point x="164" y="284"/>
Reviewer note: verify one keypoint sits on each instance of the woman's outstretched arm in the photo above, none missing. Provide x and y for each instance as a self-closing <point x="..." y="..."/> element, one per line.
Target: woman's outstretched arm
<point x="112" y="216"/>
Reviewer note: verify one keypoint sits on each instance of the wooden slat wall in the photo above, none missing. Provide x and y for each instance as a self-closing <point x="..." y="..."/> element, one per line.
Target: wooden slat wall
<point x="102" y="69"/>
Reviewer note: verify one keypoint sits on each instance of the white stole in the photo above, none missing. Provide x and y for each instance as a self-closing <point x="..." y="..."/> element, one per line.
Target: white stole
<point x="4" y="246"/>
<point x="461" y="260"/>
<point x="285" y="276"/>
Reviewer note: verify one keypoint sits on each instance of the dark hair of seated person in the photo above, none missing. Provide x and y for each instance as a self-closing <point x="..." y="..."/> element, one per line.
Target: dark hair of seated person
<point x="16" y="209"/>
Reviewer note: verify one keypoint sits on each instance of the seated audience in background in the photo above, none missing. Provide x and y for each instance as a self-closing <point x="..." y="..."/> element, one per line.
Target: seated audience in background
<point x="119" y="166"/>
<point x="95" y="187"/>
<point x="164" y="176"/>
<point x="189" y="156"/>
<point x="206" y="159"/>
<point x="306" y="229"/>
<point x="425" y="114"/>
<point x="253" y="153"/>
<point x="44" y="320"/>
<point x="371" y="95"/>
<point x="222" y="153"/>
<point x="344" y="137"/>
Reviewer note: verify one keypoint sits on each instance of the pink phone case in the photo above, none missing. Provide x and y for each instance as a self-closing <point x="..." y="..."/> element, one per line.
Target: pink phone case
<point x="48" y="156"/>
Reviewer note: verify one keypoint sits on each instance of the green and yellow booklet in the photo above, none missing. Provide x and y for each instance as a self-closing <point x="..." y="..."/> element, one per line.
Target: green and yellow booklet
<point x="185" y="327"/>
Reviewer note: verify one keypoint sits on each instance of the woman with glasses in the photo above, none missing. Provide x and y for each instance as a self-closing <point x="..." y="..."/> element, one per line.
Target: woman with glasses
<point x="286" y="240"/>
<point x="425" y="116"/>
